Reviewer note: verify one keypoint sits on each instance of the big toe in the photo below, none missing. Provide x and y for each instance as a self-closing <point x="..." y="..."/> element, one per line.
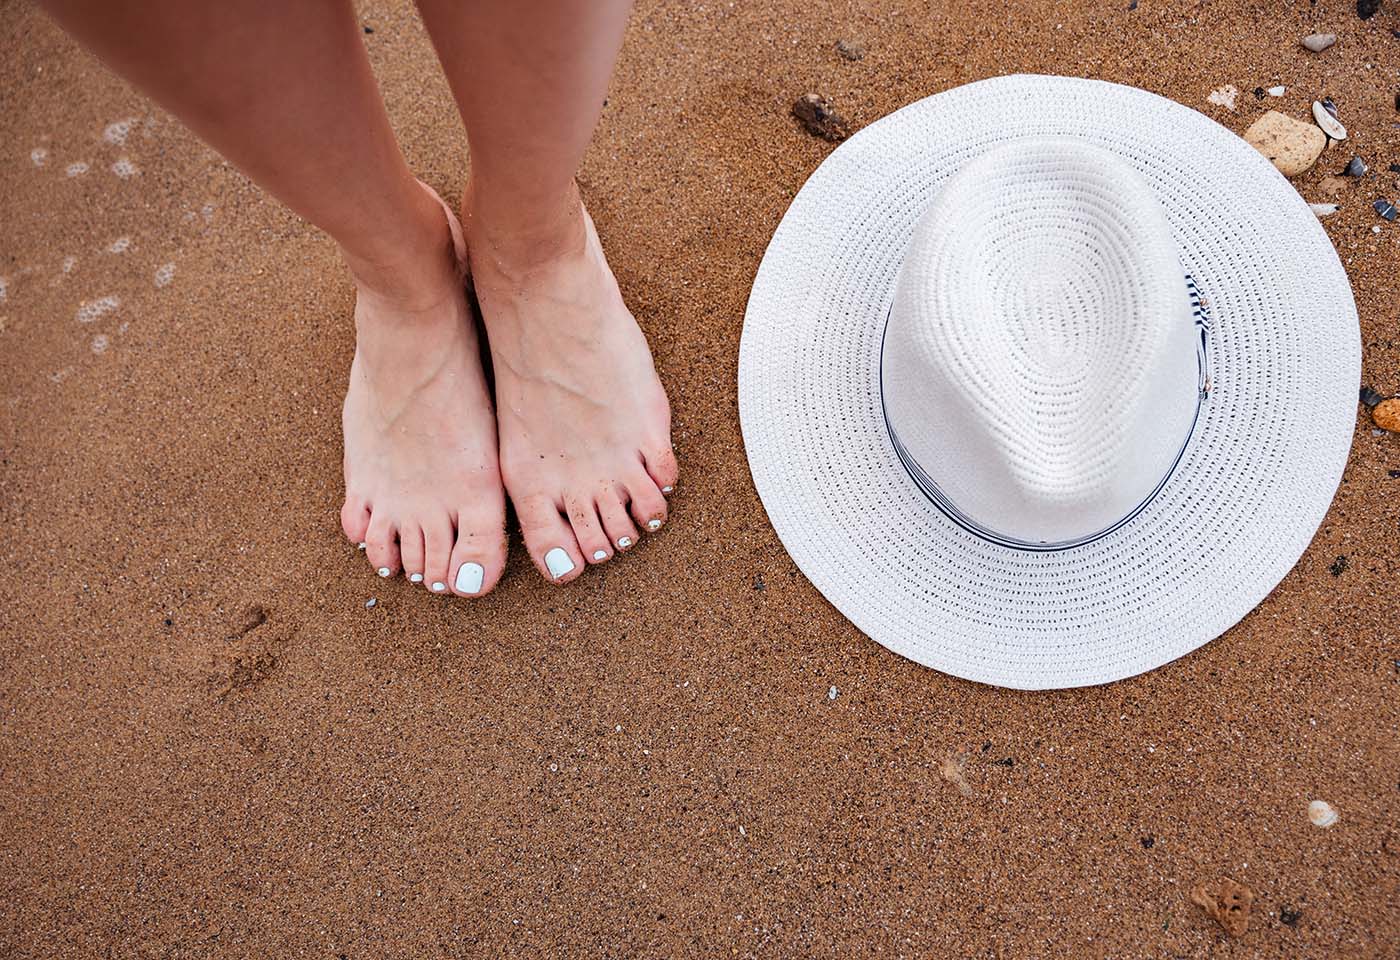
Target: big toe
<point x="549" y="538"/>
<point x="479" y="555"/>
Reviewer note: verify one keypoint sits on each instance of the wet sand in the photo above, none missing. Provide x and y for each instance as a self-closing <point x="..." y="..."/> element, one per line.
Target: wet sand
<point x="210" y="746"/>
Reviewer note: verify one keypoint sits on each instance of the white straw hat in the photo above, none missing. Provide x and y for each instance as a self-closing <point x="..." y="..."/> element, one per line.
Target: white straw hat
<point x="1046" y="382"/>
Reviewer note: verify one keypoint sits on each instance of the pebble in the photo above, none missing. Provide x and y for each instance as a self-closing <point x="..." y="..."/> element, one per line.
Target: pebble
<point x="1276" y="91"/>
<point x="1291" y="145"/>
<point x="1366" y="9"/>
<point x="833" y="693"/>
<point x="1330" y="125"/>
<point x="369" y="604"/>
<point x="1386" y="415"/>
<point x="1319" y="42"/>
<point x="1369" y="397"/>
<point x="1227" y="902"/>
<point x="1224" y="96"/>
<point x="1386" y="209"/>
<point x="1324" y="209"/>
<point x="817" y="117"/>
<point x="1356" y="167"/>
<point x="850" y="49"/>
<point x="1322" y="813"/>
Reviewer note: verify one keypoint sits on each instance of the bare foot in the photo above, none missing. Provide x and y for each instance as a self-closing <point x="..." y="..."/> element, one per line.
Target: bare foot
<point x="422" y="482"/>
<point x="585" y="428"/>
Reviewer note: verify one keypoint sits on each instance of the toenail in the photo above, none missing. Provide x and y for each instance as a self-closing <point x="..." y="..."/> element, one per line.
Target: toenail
<point x="439" y="586"/>
<point x="383" y="571"/>
<point x="558" y="562"/>
<point x="667" y="489"/>
<point x="600" y="554"/>
<point x="624" y="542"/>
<point x="415" y="578"/>
<point x="653" y="524"/>
<point x="469" y="577"/>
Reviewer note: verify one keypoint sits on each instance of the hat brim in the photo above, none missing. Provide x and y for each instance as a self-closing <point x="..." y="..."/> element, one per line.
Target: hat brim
<point x="1254" y="483"/>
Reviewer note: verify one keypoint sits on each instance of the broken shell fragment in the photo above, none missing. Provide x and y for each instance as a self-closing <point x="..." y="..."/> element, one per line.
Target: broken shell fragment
<point x="1276" y="91"/>
<point x="1322" y="813"/>
<point x="1318" y="42"/>
<point x="1330" y="125"/>
<point x="1386" y="209"/>
<point x="1324" y="209"/>
<point x="1356" y="167"/>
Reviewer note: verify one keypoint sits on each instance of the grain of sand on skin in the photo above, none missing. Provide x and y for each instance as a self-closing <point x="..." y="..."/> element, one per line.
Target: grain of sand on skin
<point x="567" y="772"/>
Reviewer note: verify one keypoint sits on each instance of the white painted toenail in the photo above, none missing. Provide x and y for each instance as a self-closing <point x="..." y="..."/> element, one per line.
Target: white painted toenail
<point x="469" y="577"/>
<point x="363" y="544"/>
<point x="439" y="586"/>
<point x="624" y="542"/>
<point x="667" y="489"/>
<point x="559" y="562"/>
<point x="653" y="524"/>
<point x="415" y="578"/>
<point x="383" y="571"/>
<point x="600" y="555"/>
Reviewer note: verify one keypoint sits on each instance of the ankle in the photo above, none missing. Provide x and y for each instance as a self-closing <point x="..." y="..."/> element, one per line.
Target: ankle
<point x="414" y="267"/>
<point x="516" y="236"/>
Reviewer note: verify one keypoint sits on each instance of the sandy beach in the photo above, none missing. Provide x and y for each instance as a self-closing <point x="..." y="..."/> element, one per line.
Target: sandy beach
<point x="213" y="745"/>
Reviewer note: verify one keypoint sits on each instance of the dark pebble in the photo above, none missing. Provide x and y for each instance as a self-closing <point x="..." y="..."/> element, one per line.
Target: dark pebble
<point x="1148" y="842"/>
<point x="817" y="117"/>
<point x="1338" y="566"/>
<point x="986" y="746"/>
<point x="1366" y="9"/>
<point x="1005" y="762"/>
<point x="1258" y="93"/>
<point x="1370" y="397"/>
<point x="758" y="583"/>
<point x="169" y="622"/>
<point x="1288" y="916"/>
<point x="1386" y="209"/>
<point x="1132" y="5"/>
<point x="850" y="49"/>
<point x="1393" y="474"/>
<point x="1356" y="167"/>
<point x="368" y="29"/>
<point x="1394" y="168"/>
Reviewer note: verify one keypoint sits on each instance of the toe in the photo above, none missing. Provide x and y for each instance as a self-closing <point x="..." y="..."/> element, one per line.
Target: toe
<point x="354" y="519"/>
<point x="648" y="503"/>
<point x="588" y="529"/>
<point x="437" y="553"/>
<point x="411" y="551"/>
<point x="381" y="544"/>
<point x="549" y="538"/>
<point x="612" y="510"/>
<point x="661" y="467"/>
<point x="480" y="554"/>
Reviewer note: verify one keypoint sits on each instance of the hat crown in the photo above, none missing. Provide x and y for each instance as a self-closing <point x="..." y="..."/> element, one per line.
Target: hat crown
<point x="1040" y="362"/>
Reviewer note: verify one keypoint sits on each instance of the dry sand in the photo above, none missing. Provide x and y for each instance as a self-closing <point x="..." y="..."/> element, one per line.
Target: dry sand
<point x="646" y="763"/>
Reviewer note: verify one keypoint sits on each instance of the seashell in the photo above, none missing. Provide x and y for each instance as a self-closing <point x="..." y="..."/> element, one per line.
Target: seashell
<point x="1330" y="125"/>
<point x="1356" y="167"/>
<point x="1386" y="209"/>
<point x="1329" y="106"/>
<point x="1318" y="42"/>
<point x="1324" y="209"/>
<point x="1322" y="813"/>
<point x="1276" y="91"/>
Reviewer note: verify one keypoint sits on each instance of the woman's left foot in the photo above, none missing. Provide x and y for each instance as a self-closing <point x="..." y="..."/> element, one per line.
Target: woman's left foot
<point x="584" y="424"/>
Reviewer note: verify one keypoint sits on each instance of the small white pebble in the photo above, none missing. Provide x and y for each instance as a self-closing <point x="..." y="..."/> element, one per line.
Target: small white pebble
<point x="76" y="169"/>
<point x="1322" y="813"/>
<point x="164" y="274"/>
<point x="119" y="245"/>
<point x="4" y="289"/>
<point x="1376" y="229"/>
<point x="554" y="768"/>
<point x="833" y="693"/>
<point x="370" y="602"/>
<point x="1276" y="91"/>
<point x="742" y="831"/>
<point x="69" y="263"/>
<point x="100" y="343"/>
<point x="39" y="156"/>
<point x="124" y="168"/>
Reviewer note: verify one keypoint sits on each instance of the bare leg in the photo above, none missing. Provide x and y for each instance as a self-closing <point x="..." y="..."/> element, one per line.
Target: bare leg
<point x="584" y="423"/>
<point x="285" y="91"/>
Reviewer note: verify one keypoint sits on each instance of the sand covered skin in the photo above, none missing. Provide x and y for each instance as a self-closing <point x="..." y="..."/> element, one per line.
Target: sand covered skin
<point x="211" y="746"/>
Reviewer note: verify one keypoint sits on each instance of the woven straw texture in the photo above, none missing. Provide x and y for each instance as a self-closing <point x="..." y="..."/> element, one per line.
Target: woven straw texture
<point x="1253" y="485"/>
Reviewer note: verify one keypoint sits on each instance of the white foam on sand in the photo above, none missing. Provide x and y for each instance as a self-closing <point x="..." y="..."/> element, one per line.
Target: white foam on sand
<point x="164" y="274"/>
<point x="39" y="156"/>
<point x="117" y="132"/>
<point x="100" y="343"/>
<point x="119" y="245"/>
<point x="4" y="289"/>
<point x="92" y="309"/>
<point x="124" y="168"/>
<point x="76" y="169"/>
<point x="69" y="263"/>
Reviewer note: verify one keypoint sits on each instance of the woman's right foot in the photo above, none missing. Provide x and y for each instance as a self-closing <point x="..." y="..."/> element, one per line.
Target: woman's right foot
<point x="423" y="491"/>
